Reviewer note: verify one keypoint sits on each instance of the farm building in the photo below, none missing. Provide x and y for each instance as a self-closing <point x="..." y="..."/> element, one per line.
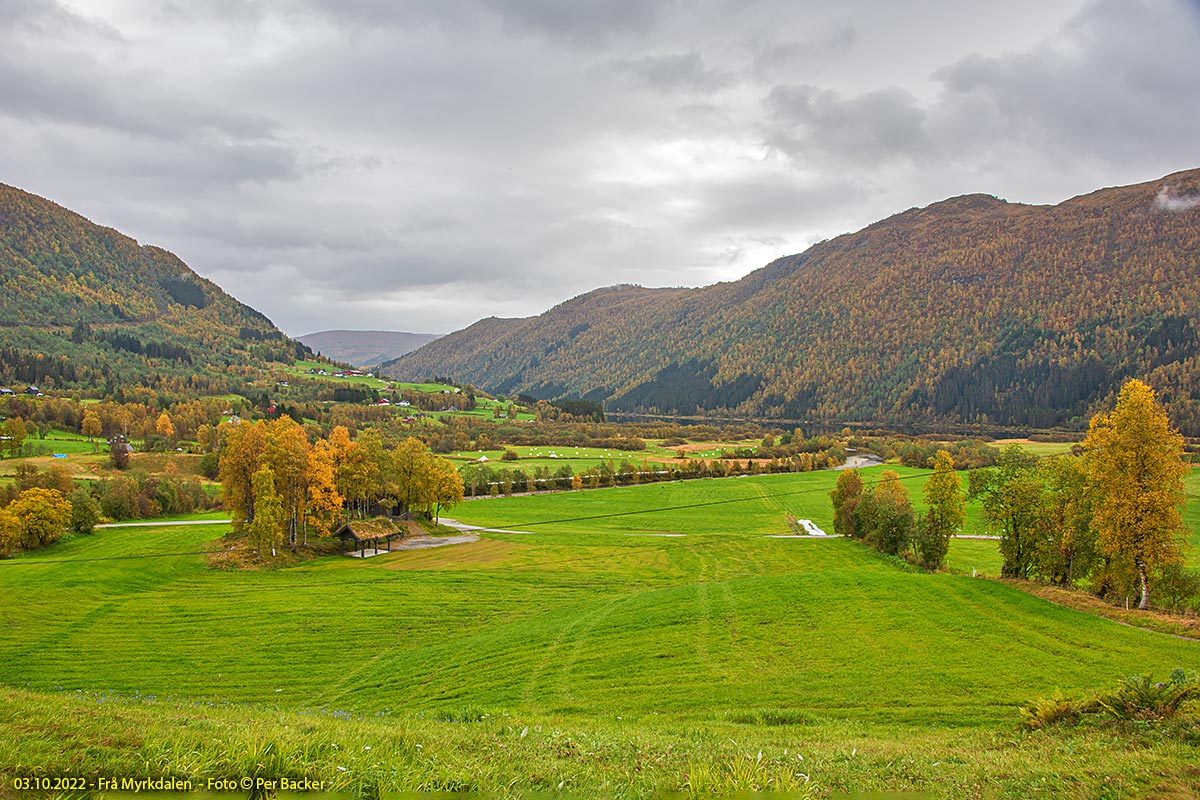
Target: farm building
<point x="366" y="535"/>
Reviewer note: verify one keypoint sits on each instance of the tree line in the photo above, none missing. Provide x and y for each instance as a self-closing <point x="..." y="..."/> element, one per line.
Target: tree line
<point x="883" y="516"/>
<point x="1108" y="517"/>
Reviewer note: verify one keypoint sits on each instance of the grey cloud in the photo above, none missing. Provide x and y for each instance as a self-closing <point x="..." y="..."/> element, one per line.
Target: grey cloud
<point x="679" y="72"/>
<point x="809" y="123"/>
<point x="423" y="164"/>
<point x="580" y="21"/>
<point x="778" y="57"/>
<point x="50" y="20"/>
<point x="191" y="165"/>
<point x="72" y="88"/>
<point x="1118" y="85"/>
<point x="1115" y="87"/>
<point x="771" y="201"/>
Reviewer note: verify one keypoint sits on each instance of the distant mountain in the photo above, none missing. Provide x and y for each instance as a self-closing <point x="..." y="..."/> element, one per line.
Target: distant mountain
<point x="365" y="348"/>
<point x="86" y="306"/>
<point x="969" y="311"/>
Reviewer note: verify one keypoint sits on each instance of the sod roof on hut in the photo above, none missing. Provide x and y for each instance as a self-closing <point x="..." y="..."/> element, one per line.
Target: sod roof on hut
<point x="368" y="530"/>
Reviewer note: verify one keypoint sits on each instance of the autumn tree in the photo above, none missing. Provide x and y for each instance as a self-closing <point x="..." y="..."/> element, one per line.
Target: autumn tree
<point x="377" y="480"/>
<point x="350" y="468"/>
<point x="10" y="531"/>
<point x="242" y="447"/>
<point x="164" y="427"/>
<point x="845" y="496"/>
<point x="1067" y="549"/>
<point x="91" y="427"/>
<point x="42" y="516"/>
<point x="206" y="437"/>
<point x="324" y="499"/>
<point x="411" y="461"/>
<point x="14" y="433"/>
<point x="445" y="486"/>
<point x="118" y="452"/>
<point x="286" y="451"/>
<point x="85" y="511"/>
<point x="884" y="516"/>
<point x="1011" y="498"/>
<point x="944" y="514"/>
<point x="1135" y="463"/>
<point x="266" y="529"/>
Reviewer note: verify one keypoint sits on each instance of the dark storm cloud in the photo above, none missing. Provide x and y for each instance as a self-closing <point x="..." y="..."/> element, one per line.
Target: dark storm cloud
<point x="419" y="165"/>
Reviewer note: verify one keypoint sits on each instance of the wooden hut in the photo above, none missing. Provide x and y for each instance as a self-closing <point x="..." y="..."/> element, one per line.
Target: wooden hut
<point x="367" y="534"/>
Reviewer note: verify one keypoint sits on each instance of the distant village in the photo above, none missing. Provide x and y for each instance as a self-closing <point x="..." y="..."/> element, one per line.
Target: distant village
<point x="30" y="390"/>
<point x="342" y="373"/>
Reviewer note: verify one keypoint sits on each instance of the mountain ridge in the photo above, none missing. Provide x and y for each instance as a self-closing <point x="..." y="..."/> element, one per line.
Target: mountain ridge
<point x="971" y="310"/>
<point x="85" y="306"/>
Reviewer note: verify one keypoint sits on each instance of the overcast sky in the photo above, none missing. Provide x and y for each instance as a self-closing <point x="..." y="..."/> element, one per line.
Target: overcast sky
<point x="419" y="165"/>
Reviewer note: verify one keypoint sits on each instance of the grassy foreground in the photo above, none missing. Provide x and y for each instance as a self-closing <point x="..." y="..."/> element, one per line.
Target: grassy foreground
<point x="89" y="736"/>
<point x="614" y="653"/>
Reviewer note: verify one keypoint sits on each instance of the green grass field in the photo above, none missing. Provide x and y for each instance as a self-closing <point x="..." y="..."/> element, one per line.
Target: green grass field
<point x="1191" y="516"/>
<point x="300" y="369"/>
<point x="1037" y="448"/>
<point x="579" y="459"/>
<point x="594" y="652"/>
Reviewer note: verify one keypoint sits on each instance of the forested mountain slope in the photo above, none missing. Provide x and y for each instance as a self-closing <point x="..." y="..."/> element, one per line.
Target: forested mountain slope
<point x="85" y="306"/>
<point x="970" y="310"/>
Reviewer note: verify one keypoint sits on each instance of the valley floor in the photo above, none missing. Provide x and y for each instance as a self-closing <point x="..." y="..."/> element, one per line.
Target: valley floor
<point x="572" y="657"/>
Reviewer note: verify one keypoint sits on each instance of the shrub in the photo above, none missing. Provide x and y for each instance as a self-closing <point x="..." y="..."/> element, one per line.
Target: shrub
<point x="1176" y="588"/>
<point x="209" y="466"/>
<point x="1138" y="697"/>
<point x="85" y="511"/>
<point x="1049" y="711"/>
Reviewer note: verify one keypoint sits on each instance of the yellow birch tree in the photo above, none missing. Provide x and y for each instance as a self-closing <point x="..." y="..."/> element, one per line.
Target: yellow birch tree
<point x="1135" y="464"/>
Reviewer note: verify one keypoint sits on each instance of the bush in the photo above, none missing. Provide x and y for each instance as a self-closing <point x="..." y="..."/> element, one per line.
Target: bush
<point x="1176" y="588"/>
<point x="85" y="511"/>
<point x="1050" y="711"/>
<point x="209" y="466"/>
<point x="1138" y="697"/>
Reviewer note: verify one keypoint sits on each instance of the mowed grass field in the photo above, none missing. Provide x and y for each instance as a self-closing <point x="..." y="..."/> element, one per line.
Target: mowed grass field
<point x="598" y="610"/>
<point x="581" y="459"/>
<point x="661" y="620"/>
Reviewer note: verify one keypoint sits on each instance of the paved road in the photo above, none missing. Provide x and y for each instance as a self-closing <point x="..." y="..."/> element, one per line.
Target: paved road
<point x="462" y="526"/>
